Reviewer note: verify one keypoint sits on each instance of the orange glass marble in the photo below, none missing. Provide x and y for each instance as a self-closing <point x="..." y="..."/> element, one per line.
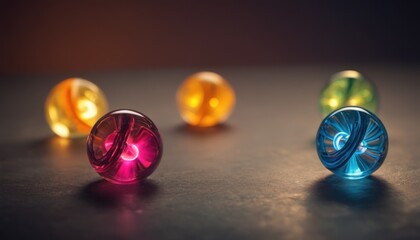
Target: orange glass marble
<point x="73" y="106"/>
<point x="205" y="99"/>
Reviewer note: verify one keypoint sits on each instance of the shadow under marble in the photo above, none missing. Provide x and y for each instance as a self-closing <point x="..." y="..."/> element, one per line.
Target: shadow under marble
<point x="356" y="209"/>
<point x="102" y="193"/>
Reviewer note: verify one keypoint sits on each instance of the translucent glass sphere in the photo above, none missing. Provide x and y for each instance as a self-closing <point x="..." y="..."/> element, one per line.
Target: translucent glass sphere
<point x="205" y="99"/>
<point x="124" y="146"/>
<point x="352" y="142"/>
<point x="348" y="88"/>
<point x="73" y="106"/>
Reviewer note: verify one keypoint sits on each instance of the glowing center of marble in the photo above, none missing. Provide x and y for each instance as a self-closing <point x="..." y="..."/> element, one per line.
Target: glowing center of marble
<point x="340" y="140"/>
<point x="130" y="152"/>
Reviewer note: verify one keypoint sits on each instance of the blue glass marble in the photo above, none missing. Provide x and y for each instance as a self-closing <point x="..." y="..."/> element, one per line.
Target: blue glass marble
<point x="352" y="142"/>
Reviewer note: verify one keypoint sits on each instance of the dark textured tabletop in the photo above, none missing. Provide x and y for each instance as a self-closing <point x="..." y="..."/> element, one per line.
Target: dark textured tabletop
<point x="257" y="176"/>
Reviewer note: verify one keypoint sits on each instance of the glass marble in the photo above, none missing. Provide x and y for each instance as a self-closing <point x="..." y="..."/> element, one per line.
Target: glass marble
<point x="73" y="106"/>
<point x="352" y="142"/>
<point x="205" y="99"/>
<point x="124" y="147"/>
<point x="348" y="88"/>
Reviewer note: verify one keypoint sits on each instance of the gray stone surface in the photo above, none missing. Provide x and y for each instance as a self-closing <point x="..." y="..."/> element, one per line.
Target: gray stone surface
<point x="255" y="177"/>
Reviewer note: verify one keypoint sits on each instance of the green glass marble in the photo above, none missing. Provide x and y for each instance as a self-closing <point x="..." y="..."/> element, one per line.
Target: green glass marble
<point x="348" y="88"/>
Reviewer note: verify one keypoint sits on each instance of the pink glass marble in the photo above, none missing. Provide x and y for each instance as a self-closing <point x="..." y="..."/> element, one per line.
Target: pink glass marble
<point x="124" y="146"/>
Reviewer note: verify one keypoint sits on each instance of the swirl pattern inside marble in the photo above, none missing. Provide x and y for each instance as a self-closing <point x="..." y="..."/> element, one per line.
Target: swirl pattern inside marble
<point x="352" y="142"/>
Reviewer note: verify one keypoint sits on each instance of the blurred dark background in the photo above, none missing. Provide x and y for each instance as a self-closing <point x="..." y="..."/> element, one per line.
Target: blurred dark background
<point x="62" y="36"/>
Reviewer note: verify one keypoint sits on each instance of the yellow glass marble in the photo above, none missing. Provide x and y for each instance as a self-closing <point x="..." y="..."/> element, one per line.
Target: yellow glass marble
<point x="348" y="88"/>
<point x="205" y="99"/>
<point x="73" y="106"/>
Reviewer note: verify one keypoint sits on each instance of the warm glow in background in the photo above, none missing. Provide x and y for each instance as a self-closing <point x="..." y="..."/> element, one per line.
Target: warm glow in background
<point x="67" y="36"/>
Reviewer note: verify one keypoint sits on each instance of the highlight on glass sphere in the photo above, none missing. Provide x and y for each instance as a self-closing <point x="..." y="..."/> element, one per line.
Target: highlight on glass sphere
<point x="205" y="99"/>
<point x="124" y="147"/>
<point x="348" y="88"/>
<point x="352" y="142"/>
<point x="73" y="106"/>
